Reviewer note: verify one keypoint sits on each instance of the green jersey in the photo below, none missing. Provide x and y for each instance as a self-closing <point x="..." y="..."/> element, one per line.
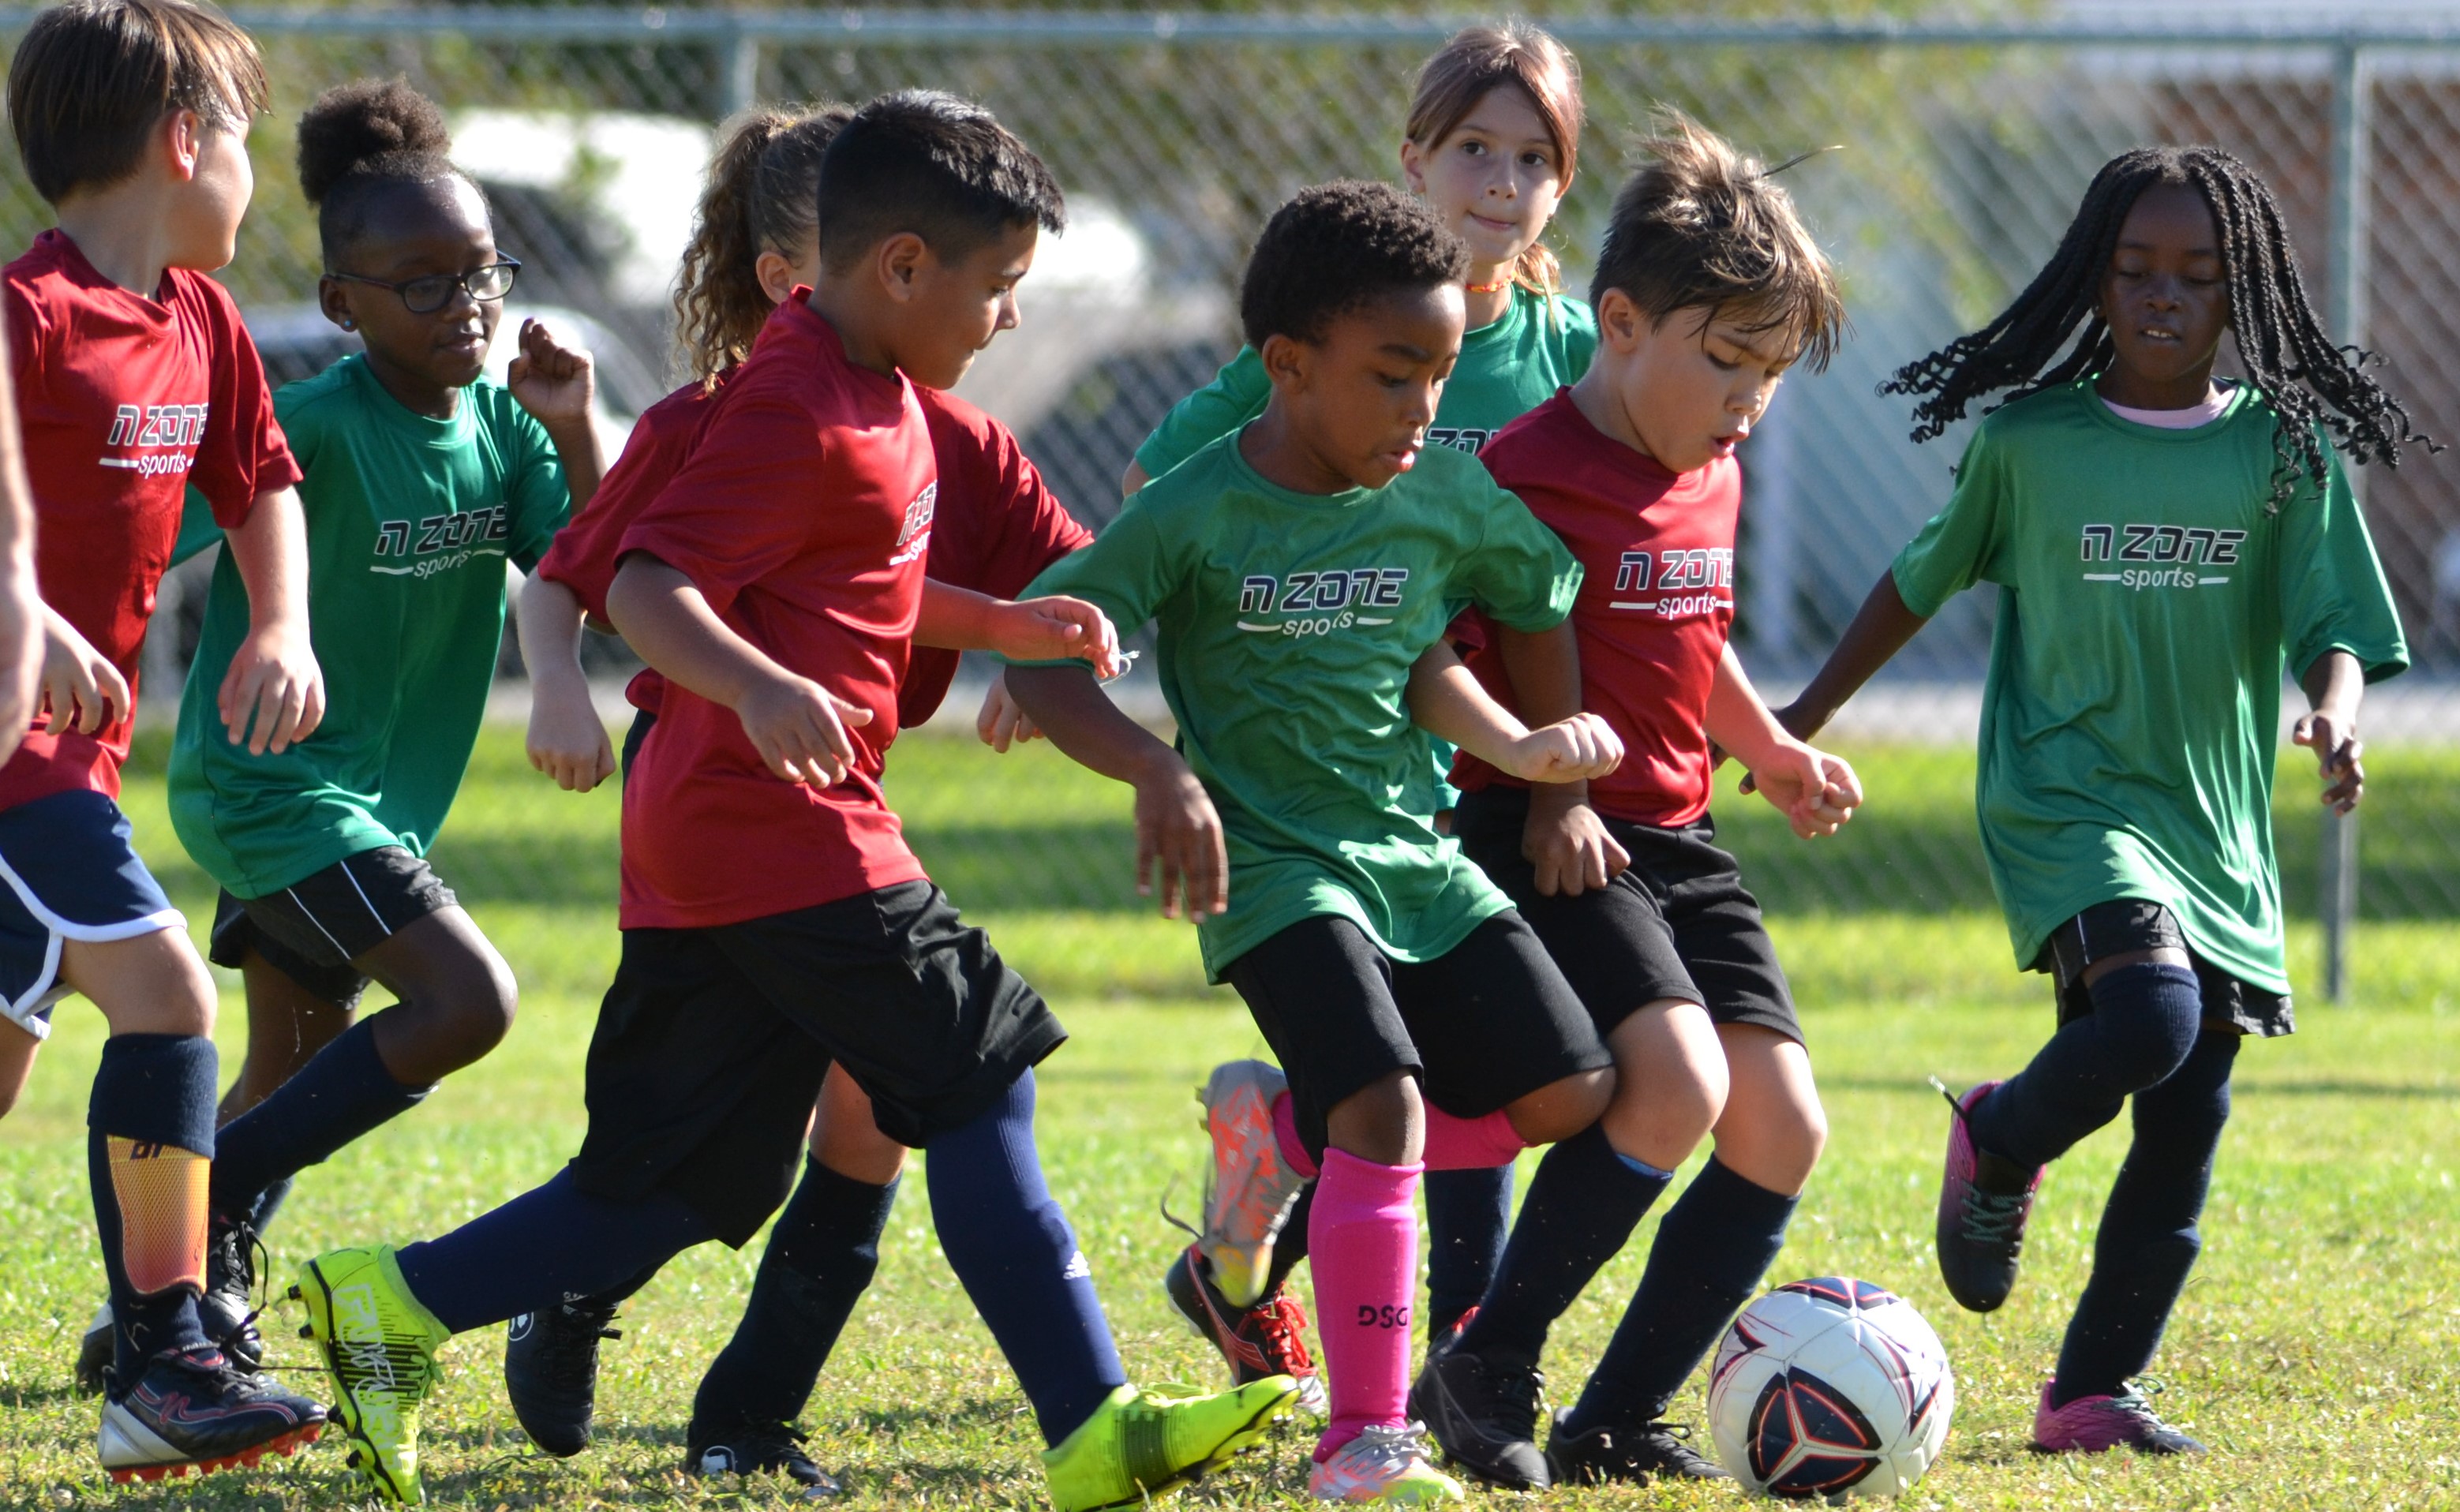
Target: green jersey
<point x="410" y="522"/>
<point x="1289" y="625"/>
<point x="2146" y="602"/>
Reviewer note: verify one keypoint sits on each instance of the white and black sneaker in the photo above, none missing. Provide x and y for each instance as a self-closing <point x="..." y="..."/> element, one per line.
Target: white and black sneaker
<point x="227" y="1309"/>
<point x="755" y="1449"/>
<point x="551" y="1373"/>
<point x="191" y="1410"/>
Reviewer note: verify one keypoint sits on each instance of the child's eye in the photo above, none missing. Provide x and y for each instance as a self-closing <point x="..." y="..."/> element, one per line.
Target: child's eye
<point x="1536" y="160"/>
<point x="1474" y="149"/>
<point x="1722" y="364"/>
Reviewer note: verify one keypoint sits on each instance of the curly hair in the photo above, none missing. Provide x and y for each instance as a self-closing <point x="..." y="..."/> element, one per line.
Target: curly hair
<point x="762" y="195"/>
<point x="362" y="139"/>
<point x="1336" y="247"/>
<point x="2309" y="382"/>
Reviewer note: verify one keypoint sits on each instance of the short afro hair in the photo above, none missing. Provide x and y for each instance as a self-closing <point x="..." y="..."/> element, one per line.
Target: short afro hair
<point x="362" y="141"/>
<point x="945" y="169"/>
<point x="1337" y="246"/>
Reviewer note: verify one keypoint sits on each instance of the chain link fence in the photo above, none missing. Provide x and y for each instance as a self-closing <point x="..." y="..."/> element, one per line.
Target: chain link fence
<point x="1965" y="149"/>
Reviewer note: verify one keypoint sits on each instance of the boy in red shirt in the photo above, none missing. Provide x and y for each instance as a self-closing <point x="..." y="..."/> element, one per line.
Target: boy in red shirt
<point x="773" y="918"/>
<point x="134" y="379"/>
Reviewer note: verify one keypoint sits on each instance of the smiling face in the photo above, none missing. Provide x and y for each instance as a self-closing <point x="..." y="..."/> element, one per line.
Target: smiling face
<point x="1358" y="401"/>
<point x="419" y="231"/>
<point x="1496" y="178"/>
<point x="2166" y="301"/>
<point x="946" y="312"/>
<point x="1685" y="390"/>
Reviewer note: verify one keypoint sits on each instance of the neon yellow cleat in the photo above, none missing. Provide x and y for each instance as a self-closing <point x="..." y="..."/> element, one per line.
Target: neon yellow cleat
<point x="380" y="1345"/>
<point x="1142" y="1445"/>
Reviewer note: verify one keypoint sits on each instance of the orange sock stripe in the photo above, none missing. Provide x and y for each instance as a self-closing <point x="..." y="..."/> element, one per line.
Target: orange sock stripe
<point x="162" y="1194"/>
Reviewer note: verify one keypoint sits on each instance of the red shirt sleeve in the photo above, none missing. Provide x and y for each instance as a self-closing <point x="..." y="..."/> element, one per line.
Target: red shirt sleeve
<point x="742" y="505"/>
<point x="243" y="452"/>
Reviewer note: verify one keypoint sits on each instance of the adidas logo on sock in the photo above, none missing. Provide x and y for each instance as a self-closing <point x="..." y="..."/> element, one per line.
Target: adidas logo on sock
<point x="1076" y="1269"/>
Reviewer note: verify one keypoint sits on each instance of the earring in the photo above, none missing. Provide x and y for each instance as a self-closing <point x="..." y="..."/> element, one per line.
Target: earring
<point x="348" y="324"/>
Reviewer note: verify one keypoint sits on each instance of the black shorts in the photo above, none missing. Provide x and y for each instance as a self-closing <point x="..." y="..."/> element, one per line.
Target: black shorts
<point x="312" y="931"/>
<point x="1676" y="923"/>
<point x="2130" y="924"/>
<point x="711" y="1044"/>
<point x="1481" y="1026"/>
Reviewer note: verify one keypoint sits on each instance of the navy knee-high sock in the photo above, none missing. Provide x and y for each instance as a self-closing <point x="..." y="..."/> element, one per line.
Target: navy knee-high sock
<point x="342" y="1093"/>
<point x="149" y="1136"/>
<point x="1469" y="1217"/>
<point x="1582" y="1206"/>
<point x="1010" y="1245"/>
<point x="1716" y="1245"/>
<point x="1291" y="1246"/>
<point x="2144" y="1021"/>
<point x="2148" y="1241"/>
<point x="550" y="1243"/>
<point x="821" y="1254"/>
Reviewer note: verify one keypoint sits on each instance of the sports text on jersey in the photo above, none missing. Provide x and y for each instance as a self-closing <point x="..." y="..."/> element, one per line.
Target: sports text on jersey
<point x="1320" y="602"/>
<point x="464" y="534"/>
<point x="1696" y="581"/>
<point x="170" y="431"/>
<point x="2195" y="546"/>
<point x="914" y="536"/>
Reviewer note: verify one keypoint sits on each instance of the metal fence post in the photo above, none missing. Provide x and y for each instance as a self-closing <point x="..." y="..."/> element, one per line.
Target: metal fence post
<point x="2352" y="171"/>
<point x="742" y="71"/>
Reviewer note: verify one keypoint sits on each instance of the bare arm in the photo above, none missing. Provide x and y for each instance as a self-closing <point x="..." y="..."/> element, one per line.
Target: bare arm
<point x="1029" y="629"/>
<point x="556" y="384"/>
<point x="566" y="739"/>
<point x="1817" y="792"/>
<point x="273" y="681"/>
<point x="1447" y="700"/>
<point x="21" y="605"/>
<point x="1564" y="838"/>
<point x="1881" y="630"/>
<point x="2334" y="684"/>
<point x="1180" y="849"/>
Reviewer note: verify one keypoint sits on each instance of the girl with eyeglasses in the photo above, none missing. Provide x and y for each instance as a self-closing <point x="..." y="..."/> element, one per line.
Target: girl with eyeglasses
<point x="422" y="480"/>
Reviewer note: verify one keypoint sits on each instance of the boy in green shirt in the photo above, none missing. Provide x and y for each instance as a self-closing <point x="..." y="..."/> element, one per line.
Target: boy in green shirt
<point x="2160" y="543"/>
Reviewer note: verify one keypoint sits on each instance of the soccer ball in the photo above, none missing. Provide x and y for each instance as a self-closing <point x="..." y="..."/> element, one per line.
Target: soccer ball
<point x="1829" y="1388"/>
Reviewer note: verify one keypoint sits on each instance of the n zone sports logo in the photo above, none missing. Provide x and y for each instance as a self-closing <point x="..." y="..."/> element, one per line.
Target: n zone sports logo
<point x="2170" y="553"/>
<point x="914" y="535"/>
<point x="1322" y="601"/>
<point x="463" y="534"/>
<point x="1460" y="438"/>
<point x="1698" y="579"/>
<point x="171" y="431"/>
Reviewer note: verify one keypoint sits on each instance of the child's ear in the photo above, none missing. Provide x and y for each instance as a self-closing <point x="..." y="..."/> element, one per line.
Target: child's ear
<point x="898" y="261"/>
<point x="1413" y="166"/>
<point x="183" y="140"/>
<point x="1286" y="361"/>
<point x="334" y="299"/>
<point x="1620" y="320"/>
<point x="776" y="275"/>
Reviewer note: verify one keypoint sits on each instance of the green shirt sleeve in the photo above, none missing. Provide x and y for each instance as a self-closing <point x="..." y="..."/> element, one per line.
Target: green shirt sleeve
<point x="541" y="499"/>
<point x="1579" y="338"/>
<point x="1236" y="395"/>
<point x="198" y="528"/>
<point x="1128" y="573"/>
<point x="2333" y="596"/>
<point x="1521" y="573"/>
<point x="1961" y="544"/>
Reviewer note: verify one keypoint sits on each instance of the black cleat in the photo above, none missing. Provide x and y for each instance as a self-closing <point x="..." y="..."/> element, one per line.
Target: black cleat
<point x="1484" y="1415"/>
<point x="1649" y="1452"/>
<point x="551" y="1373"/>
<point x="1983" y="1203"/>
<point x="225" y="1310"/>
<point x="755" y="1449"/>
<point x="191" y="1410"/>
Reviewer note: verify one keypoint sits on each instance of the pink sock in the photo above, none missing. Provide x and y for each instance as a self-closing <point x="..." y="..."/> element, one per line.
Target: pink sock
<point x="1464" y="1144"/>
<point x="1285" y="1134"/>
<point x="1362" y="1242"/>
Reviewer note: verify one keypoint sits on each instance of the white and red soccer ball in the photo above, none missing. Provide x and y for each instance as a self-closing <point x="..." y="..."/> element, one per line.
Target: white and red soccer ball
<point x="1829" y="1388"/>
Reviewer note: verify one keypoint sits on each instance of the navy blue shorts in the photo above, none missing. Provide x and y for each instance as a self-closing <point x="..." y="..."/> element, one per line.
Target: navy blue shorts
<point x="72" y="874"/>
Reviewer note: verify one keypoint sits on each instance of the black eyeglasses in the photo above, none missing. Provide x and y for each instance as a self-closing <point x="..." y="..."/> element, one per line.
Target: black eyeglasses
<point x="425" y="296"/>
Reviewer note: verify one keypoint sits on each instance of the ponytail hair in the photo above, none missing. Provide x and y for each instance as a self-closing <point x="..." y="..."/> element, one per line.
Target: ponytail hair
<point x="762" y="195"/>
<point x="1474" y="63"/>
<point x="361" y="139"/>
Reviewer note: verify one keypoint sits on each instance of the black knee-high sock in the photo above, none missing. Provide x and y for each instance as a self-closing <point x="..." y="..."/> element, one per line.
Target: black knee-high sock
<point x="2142" y="1023"/>
<point x="1010" y="1243"/>
<point x="821" y="1255"/>
<point x="2148" y="1241"/>
<point x="550" y="1243"/>
<point x="1582" y="1206"/>
<point x="1292" y="1246"/>
<point x="1469" y="1217"/>
<point x="149" y="1144"/>
<point x="343" y="1092"/>
<point x="1716" y="1243"/>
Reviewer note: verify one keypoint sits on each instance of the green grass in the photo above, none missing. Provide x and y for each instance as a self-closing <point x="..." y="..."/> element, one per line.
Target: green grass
<point x="2315" y="1349"/>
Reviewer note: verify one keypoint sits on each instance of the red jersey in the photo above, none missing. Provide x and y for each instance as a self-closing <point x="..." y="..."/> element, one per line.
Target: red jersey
<point x="998" y="525"/>
<point x="802" y="517"/>
<point x="1656" y="604"/>
<point x="124" y="401"/>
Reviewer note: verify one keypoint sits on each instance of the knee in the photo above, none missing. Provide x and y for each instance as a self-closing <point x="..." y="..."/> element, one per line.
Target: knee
<point x="1384" y="1121"/>
<point x="1561" y="1109"/>
<point x="2147" y="1018"/>
<point x="475" y="1008"/>
<point x="848" y="1143"/>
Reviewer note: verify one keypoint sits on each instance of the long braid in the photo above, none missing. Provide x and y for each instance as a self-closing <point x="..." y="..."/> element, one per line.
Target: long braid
<point x="2281" y="343"/>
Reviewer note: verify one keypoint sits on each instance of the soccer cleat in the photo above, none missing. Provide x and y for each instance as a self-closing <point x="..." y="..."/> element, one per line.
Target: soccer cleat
<point x="1484" y="1416"/>
<point x="192" y="1410"/>
<point x="1141" y="1445"/>
<point x="755" y="1449"/>
<point x="98" y="1350"/>
<point x="551" y="1373"/>
<point x="1266" y="1339"/>
<point x="1984" y="1201"/>
<point x="228" y="1316"/>
<point x="1247" y="1199"/>
<point x="1383" y="1465"/>
<point x="380" y="1345"/>
<point x="2093" y="1424"/>
<point x="1649" y="1452"/>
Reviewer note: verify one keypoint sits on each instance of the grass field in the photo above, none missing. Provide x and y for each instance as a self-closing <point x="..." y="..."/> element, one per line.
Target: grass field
<point x="2317" y="1348"/>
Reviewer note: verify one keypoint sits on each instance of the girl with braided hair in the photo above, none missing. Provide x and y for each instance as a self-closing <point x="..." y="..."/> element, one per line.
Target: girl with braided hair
<point x="2163" y="545"/>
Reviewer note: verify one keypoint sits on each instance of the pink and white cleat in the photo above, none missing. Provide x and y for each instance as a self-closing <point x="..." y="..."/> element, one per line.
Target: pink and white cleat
<point x="1384" y="1464"/>
<point x="2090" y="1425"/>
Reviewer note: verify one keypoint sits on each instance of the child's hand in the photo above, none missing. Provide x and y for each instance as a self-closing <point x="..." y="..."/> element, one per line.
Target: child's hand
<point x="1001" y="721"/>
<point x="1795" y="723"/>
<point x="1570" y="750"/>
<point x="799" y="729"/>
<point x="1817" y="792"/>
<point x="1051" y="628"/>
<point x="553" y="382"/>
<point x="1179" y="849"/>
<point x="275" y="687"/>
<point x="1569" y="844"/>
<point x="2333" y="737"/>
<point x="566" y="739"/>
<point x="82" y="690"/>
